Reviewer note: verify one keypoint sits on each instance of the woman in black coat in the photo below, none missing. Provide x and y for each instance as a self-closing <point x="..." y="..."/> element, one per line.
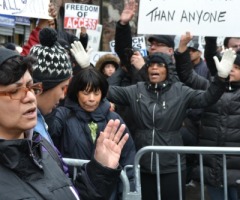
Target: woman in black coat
<point x="159" y="108"/>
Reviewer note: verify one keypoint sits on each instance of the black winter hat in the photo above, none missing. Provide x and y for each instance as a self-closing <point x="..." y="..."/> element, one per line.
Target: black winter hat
<point x="165" y="39"/>
<point x="10" y="46"/>
<point x="237" y="60"/>
<point x="159" y="58"/>
<point x="53" y="65"/>
<point x="6" y="54"/>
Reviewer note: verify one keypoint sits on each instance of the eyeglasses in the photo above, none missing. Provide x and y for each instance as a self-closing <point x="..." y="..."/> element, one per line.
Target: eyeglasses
<point x="156" y="44"/>
<point x="235" y="46"/>
<point x="158" y="64"/>
<point x="21" y="92"/>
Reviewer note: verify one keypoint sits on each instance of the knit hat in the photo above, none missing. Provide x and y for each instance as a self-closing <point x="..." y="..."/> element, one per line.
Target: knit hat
<point x="107" y="59"/>
<point x="53" y="65"/>
<point x="6" y="54"/>
<point x="165" y="39"/>
<point x="237" y="60"/>
<point x="10" y="46"/>
<point x="158" y="58"/>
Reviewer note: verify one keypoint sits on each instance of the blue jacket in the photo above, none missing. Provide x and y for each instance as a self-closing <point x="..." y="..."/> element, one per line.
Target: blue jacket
<point x="42" y="127"/>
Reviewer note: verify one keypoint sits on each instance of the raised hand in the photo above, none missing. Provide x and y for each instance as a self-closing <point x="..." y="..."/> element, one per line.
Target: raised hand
<point x="110" y="144"/>
<point x="81" y="56"/>
<point x="225" y="65"/>
<point x="52" y="11"/>
<point x="128" y="12"/>
<point x="184" y="40"/>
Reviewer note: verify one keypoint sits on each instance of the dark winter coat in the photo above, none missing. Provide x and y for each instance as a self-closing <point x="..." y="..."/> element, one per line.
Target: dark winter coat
<point x="159" y="113"/>
<point x="71" y="122"/>
<point x="70" y="132"/>
<point x="28" y="170"/>
<point x="219" y="128"/>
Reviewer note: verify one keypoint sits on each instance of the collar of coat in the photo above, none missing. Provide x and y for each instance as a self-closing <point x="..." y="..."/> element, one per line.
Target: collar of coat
<point x="158" y="86"/>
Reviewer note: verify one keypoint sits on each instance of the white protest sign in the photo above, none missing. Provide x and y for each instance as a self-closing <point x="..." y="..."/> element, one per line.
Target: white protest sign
<point x="96" y="55"/>
<point x="25" y="8"/>
<point x="77" y="15"/>
<point x="94" y="37"/>
<point x="200" y="17"/>
<point x="138" y="43"/>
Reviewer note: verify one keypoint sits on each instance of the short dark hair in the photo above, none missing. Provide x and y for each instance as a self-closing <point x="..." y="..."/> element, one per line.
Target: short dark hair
<point x="14" y="68"/>
<point x="88" y="78"/>
<point x="226" y="41"/>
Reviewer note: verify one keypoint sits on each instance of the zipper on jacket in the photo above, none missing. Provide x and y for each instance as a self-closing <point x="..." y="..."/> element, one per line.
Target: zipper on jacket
<point x="35" y="160"/>
<point x="139" y="97"/>
<point x="153" y="132"/>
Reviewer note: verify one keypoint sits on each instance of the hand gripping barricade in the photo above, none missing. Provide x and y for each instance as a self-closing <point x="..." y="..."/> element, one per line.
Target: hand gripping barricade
<point x="179" y="151"/>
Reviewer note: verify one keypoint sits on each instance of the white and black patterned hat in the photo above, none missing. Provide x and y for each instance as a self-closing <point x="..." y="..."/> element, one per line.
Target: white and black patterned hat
<point x="53" y="64"/>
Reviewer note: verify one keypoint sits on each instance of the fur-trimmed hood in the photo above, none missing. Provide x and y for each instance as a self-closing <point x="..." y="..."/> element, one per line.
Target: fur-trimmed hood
<point x="107" y="59"/>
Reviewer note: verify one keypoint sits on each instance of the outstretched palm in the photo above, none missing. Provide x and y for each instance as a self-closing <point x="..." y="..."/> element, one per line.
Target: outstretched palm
<point x="110" y="144"/>
<point x="128" y="11"/>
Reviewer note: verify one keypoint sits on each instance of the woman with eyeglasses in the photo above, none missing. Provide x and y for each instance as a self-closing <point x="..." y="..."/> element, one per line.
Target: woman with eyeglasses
<point x="159" y="108"/>
<point x="30" y="167"/>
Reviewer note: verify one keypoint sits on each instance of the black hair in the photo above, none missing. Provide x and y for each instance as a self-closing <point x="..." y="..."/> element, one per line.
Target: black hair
<point x="90" y="79"/>
<point x="14" y="68"/>
<point x="226" y="41"/>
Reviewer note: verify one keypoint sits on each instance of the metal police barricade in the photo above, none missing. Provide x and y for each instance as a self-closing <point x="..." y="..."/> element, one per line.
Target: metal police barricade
<point x="182" y="150"/>
<point x="126" y="194"/>
<point x="179" y="150"/>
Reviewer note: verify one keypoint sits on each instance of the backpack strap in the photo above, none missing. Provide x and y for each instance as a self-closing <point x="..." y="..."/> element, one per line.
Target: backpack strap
<point x="52" y="151"/>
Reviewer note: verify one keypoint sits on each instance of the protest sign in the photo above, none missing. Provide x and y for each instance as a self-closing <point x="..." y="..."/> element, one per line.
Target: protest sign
<point x="25" y="8"/>
<point x="77" y="15"/>
<point x="96" y="55"/>
<point x="94" y="37"/>
<point x="200" y="17"/>
<point x="138" y="43"/>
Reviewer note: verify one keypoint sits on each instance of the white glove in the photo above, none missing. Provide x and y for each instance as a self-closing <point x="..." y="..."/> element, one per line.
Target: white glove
<point x="81" y="56"/>
<point x="226" y="64"/>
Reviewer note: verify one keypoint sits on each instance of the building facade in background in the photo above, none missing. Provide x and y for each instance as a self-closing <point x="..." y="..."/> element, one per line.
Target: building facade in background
<point x="17" y="29"/>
